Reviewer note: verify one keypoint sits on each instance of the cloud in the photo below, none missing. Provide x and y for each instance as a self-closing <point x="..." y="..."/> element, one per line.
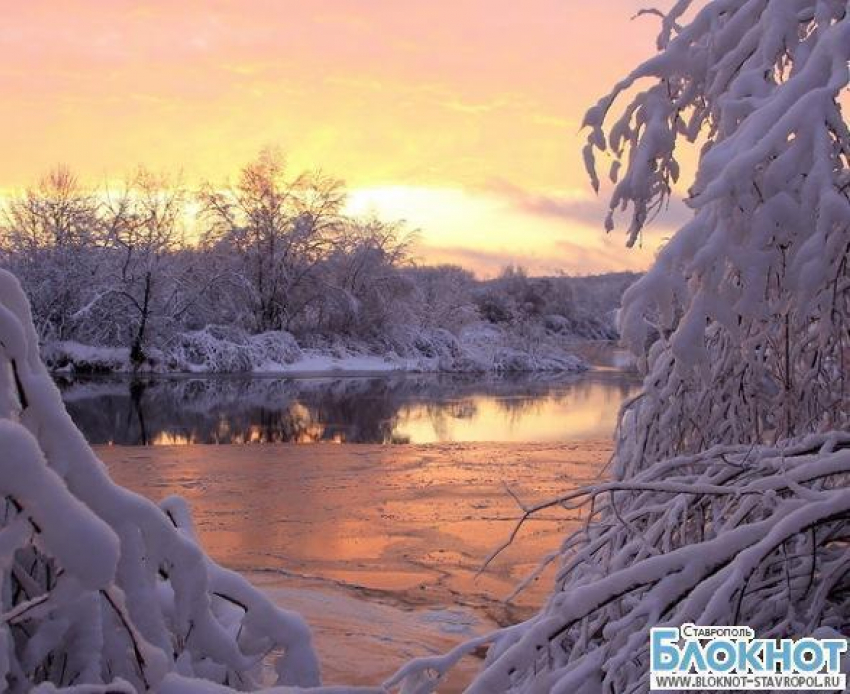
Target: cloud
<point x="562" y="257"/>
<point x="585" y="210"/>
<point x="484" y="107"/>
<point x="485" y="232"/>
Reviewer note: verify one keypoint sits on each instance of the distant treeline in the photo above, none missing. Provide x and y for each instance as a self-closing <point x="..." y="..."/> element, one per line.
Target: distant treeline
<point x="135" y="266"/>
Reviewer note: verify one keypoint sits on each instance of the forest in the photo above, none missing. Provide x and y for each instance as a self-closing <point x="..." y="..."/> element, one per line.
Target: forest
<point x="258" y="275"/>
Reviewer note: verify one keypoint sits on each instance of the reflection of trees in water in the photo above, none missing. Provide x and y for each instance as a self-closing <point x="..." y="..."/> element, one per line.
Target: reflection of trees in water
<point x="261" y="410"/>
<point x="230" y="410"/>
<point x="578" y="392"/>
<point x="604" y="353"/>
<point x="442" y="412"/>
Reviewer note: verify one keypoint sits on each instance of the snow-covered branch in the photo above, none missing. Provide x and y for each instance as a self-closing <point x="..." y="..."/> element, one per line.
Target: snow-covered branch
<point x="100" y="585"/>
<point x="749" y="300"/>
<point x="735" y="535"/>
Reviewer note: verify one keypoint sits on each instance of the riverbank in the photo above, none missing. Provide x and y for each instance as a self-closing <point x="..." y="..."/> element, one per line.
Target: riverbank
<point x="377" y="546"/>
<point x="476" y="348"/>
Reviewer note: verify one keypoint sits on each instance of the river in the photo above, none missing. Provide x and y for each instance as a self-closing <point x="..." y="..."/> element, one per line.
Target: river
<point x="376" y="531"/>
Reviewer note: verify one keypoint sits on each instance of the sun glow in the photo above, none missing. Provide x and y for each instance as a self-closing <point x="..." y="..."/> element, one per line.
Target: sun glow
<point x="487" y="229"/>
<point x="432" y="112"/>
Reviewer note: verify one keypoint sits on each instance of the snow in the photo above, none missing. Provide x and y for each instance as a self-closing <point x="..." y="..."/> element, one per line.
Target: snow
<point x="73" y="357"/>
<point x="751" y="294"/>
<point x="117" y="285"/>
<point x="318" y="362"/>
<point x="478" y="348"/>
<point x="67" y="528"/>
<point x="729" y="502"/>
<point x="729" y="495"/>
<point x="104" y="584"/>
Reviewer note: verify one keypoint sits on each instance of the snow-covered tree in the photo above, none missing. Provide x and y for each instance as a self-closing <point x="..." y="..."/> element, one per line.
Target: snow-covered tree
<point x="49" y="233"/>
<point x="364" y="290"/>
<point x="728" y="503"/>
<point x="278" y="229"/>
<point x="749" y="300"/>
<point x="100" y="588"/>
<point x="444" y="296"/>
<point x="141" y="293"/>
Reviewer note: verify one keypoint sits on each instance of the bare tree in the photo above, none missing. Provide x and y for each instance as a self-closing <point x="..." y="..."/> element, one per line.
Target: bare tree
<point x="279" y="228"/>
<point x="145" y="228"/>
<point x="366" y="289"/>
<point x="49" y="234"/>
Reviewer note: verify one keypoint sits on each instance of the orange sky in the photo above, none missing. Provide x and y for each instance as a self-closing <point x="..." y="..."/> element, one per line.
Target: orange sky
<point x="460" y="116"/>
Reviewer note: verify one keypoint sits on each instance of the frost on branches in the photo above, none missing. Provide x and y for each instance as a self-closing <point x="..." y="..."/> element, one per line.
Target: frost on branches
<point x="729" y="503"/>
<point x="750" y="298"/>
<point x="99" y="585"/>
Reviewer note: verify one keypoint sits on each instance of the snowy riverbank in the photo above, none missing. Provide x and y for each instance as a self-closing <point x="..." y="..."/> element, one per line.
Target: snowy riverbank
<point x="479" y="348"/>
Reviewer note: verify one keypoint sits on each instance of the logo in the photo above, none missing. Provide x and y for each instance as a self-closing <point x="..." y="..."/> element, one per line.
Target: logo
<point x="715" y="658"/>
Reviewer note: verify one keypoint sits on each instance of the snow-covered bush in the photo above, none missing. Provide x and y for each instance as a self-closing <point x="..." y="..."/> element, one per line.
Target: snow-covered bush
<point x="99" y="585"/>
<point x="478" y="347"/>
<point x="223" y="349"/>
<point x="208" y="351"/>
<point x="493" y="348"/>
<point x="271" y="348"/>
<point x="573" y="307"/>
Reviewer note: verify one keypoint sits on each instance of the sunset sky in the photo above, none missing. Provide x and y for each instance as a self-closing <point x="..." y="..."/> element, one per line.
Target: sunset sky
<point x="460" y="116"/>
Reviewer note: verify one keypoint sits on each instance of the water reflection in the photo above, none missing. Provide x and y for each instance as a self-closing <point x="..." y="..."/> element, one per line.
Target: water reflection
<point x="386" y="409"/>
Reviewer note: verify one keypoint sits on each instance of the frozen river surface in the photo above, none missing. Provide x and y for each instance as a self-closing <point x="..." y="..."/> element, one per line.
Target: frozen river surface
<point x="377" y="546"/>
